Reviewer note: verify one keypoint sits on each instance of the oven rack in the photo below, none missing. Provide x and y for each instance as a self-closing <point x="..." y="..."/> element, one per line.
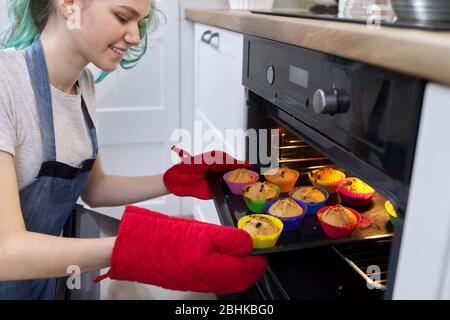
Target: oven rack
<point x="231" y="208"/>
<point x="368" y="260"/>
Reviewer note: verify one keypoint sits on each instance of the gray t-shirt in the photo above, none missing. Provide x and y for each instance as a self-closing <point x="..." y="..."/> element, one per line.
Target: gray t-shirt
<point x="19" y="122"/>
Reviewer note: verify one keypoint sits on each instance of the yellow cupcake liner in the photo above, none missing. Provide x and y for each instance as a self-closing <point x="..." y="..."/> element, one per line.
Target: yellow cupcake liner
<point x="285" y="186"/>
<point x="390" y="208"/>
<point x="330" y="186"/>
<point x="261" y="242"/>
<point x="391" y="211"/>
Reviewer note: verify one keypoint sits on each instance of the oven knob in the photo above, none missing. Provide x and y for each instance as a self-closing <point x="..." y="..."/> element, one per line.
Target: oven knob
<point x="270" y="74"/>
<point x="330" y="101"/>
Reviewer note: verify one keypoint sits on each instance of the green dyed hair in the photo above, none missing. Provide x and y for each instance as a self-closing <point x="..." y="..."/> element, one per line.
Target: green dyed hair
<point x="27" y="19"/>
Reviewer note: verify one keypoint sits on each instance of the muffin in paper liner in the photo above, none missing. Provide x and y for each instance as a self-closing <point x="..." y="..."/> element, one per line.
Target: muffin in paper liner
<point x="336" y="232"/>
<point x="353" y="199"/>
<point x="286" y="184"/>
<point x="236" y="187"/>
<point x="329" y="186"/>
<point x="290" y="223"/>
<point x="311" y="207"/>
<point x="257" y="206"/>
<point x="266" y="241"/>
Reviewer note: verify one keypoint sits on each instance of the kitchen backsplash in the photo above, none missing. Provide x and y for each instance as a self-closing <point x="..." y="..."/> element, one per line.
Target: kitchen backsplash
<point x="224" y="3"/>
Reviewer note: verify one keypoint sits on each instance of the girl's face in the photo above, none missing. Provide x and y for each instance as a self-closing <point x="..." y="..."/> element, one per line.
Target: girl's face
<point x="108" y="29"/>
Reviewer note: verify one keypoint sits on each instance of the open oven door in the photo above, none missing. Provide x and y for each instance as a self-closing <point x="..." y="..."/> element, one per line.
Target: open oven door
<point x="84" y="223"/>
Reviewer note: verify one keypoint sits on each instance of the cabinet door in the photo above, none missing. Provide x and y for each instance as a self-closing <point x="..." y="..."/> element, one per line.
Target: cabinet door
<point x="220" y="109"/>
<point x="219" y="93"/>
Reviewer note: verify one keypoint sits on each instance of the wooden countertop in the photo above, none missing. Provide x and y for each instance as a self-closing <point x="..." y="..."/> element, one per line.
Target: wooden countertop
<point x="424" y="54"/>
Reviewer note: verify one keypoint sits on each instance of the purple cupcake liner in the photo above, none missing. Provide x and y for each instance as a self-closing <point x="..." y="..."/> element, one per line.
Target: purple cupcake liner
<point x="236" y="187"/>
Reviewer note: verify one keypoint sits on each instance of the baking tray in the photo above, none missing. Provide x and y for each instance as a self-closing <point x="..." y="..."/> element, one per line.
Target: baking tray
<point x="231" y="208"/>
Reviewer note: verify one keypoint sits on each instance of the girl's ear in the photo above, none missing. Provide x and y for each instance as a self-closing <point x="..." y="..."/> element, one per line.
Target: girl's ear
<point x="66" y="7"/>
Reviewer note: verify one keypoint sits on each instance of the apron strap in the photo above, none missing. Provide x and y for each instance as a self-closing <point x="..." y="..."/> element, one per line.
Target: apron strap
<point x="90" y="125"/>
<point x="37" y="69"/>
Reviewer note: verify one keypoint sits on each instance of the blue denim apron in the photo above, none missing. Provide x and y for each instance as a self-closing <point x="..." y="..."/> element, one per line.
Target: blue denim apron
<point x="48" y="202"/>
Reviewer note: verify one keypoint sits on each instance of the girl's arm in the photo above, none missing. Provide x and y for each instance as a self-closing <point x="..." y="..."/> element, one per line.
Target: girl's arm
<point x="26" y="255"/>
<point x="104" y="190"/>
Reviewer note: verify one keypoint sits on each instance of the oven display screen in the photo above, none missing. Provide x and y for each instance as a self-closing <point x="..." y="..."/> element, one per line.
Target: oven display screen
<point x="299" y="76"/>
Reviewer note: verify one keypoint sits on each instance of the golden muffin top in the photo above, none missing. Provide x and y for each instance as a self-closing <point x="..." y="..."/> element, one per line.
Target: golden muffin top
<point x="308" y="194"/>
<point x="260" y="191"/>
<point x="327" y="174"/>
<point x="356" y="185"/>
<point x="260" y="226"/>
<point x="281" y="174"/>
<point x="339" y="216"/>
<point x="285" y="208"/>
<point x="240" y="175"/>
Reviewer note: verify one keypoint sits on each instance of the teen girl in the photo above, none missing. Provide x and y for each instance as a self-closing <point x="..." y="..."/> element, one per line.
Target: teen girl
<point x="49" y="157"/>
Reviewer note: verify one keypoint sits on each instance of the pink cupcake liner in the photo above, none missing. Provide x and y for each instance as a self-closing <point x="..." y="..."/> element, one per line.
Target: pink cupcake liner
<point x="353" y="199"/>
<point x="335" y="232"/>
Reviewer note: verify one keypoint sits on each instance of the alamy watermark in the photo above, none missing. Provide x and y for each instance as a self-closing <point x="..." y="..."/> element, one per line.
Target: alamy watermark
<point x="233" y="141"/>
<point x="374" y="274"/>
<point x="377" y="13"/>
<point x="74" y="20"/>
<point x="74" y="279"/>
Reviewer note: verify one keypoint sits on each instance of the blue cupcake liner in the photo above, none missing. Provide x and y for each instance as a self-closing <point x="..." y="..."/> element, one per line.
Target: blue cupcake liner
<point x="290" y="223"/>
<point x="312" y="207"/>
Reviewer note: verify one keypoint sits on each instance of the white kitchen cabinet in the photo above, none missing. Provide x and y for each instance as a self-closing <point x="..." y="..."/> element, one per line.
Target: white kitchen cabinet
<point x="219" y="107"/>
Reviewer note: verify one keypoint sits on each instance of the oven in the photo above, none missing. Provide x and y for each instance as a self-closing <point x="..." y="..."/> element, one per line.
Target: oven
<point x="313" y="110"/>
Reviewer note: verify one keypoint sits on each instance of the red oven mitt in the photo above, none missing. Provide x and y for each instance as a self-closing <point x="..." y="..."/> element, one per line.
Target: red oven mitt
<point x="182" y="254"/>
<point x="188" y="178"/>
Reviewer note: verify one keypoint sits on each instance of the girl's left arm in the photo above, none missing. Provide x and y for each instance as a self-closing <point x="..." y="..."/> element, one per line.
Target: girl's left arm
<point x="103" y="190"/>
